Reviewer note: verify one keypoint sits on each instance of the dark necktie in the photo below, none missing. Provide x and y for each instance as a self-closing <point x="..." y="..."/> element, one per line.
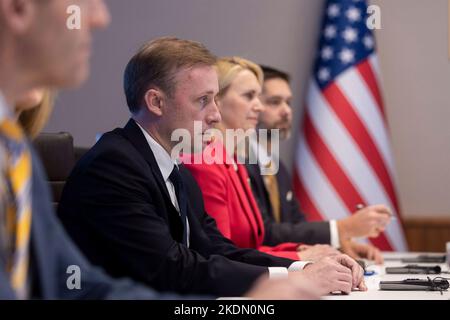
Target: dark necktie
<point x="180" y="192"/>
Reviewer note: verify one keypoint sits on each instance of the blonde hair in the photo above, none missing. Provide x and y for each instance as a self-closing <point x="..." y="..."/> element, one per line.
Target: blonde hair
<point x="229" y="67"/>
<point x="33" y="120"/>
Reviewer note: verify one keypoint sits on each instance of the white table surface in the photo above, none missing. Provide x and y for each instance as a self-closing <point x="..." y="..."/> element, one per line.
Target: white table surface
<point x="393" y="260"/>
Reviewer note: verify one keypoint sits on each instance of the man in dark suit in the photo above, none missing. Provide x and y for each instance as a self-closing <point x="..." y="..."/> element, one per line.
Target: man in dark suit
<point x="38" y="50"/>
<point x="133" y="210"/>
<point x="292" y="223"/>
<point x="55" y="260"/>
<point x="281" y="212"/>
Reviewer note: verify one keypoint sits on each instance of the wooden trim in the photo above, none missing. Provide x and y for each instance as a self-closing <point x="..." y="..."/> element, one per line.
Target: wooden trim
<point x="437" y="222"/>
<point x="427" y="234"/>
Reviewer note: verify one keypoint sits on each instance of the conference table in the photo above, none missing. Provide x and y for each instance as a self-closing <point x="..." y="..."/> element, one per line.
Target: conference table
<point x="393" y="259"/>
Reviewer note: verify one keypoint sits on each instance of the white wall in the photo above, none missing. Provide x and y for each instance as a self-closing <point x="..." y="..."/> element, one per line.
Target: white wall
<point x="414" y="60"/>
<point x="283" y="33"/>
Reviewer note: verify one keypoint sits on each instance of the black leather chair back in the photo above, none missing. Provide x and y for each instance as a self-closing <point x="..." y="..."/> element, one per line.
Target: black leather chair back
<point x="58" y="157"/>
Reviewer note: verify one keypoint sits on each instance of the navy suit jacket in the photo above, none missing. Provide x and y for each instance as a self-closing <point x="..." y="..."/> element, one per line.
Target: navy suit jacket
<point x="53" y="252"/>
<point x="117" y="208"/>
<point x="293" y="226"/>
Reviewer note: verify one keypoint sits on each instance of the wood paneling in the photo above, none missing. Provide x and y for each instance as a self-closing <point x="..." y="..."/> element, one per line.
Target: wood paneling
<point x="427" y="234"/>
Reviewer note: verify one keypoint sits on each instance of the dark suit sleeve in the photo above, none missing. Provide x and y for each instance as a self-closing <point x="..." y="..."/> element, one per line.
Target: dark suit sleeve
<point x="61" y="253"/>
<point x="95" y="284"/>
<point x="115" y="213"/>
<point x="303" y="232"/>
<point x="6" y="292"/>
<point x="219" y="243"/>
<point x="293" y="226"/>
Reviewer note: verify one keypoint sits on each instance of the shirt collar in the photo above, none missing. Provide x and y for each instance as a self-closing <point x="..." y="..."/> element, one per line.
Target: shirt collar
<point x="163" y="159"/>
<point x="268" y="163"/>
<point x="4" y="110"/>
<point x="260" y="152"/>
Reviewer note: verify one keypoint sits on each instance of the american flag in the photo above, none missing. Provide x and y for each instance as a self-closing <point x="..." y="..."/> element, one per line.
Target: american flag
<point x="343" y="156"/>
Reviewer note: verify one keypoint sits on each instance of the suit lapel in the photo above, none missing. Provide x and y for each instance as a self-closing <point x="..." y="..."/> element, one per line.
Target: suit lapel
<point x="41" y="265"/>
<point x="133" y="133"/>
<point x="259" y="225"/>
<point x="44" y="263"/>
<point x="259" y="186"/>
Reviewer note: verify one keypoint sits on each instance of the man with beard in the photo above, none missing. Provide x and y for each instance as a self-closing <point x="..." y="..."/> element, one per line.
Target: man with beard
<point x="283" y="219"/>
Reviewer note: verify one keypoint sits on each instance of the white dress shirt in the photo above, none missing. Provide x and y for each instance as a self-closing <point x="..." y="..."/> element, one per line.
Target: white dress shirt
<point x="166" y="165"/>
<point x="4" y="112"/>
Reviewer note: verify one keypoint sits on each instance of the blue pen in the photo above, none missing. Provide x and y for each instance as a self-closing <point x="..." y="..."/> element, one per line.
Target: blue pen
<point x="369" y="273"/>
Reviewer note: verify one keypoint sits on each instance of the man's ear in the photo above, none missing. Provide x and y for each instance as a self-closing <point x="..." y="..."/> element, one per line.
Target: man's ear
<point x="154" y="99"/>
<point x="18" y="15"/>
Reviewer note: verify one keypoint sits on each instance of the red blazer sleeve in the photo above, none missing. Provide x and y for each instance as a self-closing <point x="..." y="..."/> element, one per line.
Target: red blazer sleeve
<point x="214" y="182"/>
<point x="214" y="186"/>
<point x="284" y="250"/>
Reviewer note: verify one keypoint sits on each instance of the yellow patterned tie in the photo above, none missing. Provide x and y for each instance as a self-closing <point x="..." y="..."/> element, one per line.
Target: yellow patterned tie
<point x="271" y="183"/>
<point x="18" y="206"/>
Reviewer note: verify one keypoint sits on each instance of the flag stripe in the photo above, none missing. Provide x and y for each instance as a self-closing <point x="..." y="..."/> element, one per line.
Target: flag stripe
<point x="346" y="152"/>
<point x="343" y="155"/>
<point x="355" y="89"/>
<point x="338" y="179"/>
<point x="307" y="206"/>
<point x="373" y="61"/>
<point x="330" y="167"/>
<point x="358" y="131"/>
<point x="375" y="68"/>
<point x="366" y="72"/>
<point x="306" y="203"/>
<point x="348" y="155"/>
<point x="318" y="187"/>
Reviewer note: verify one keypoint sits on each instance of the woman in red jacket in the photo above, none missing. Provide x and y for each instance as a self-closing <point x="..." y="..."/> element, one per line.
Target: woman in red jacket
<point x="224" y="182"/>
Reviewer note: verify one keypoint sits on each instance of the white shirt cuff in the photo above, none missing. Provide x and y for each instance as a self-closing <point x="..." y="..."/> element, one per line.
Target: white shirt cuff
<point x="298" y="266"/>
<point x="334" y="235"/>
<point x="282" y="273"/>
<point x="278" y="272"/>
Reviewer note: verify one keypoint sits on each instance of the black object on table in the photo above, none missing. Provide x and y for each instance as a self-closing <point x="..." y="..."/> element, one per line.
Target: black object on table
<point x="436" y="284"/>
<point x="414" y="269"/>
<point x="426" y="258"/>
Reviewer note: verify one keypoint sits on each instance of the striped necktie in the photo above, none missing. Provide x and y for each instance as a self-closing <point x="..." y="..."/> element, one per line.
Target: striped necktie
<point x="18" y="204"/>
